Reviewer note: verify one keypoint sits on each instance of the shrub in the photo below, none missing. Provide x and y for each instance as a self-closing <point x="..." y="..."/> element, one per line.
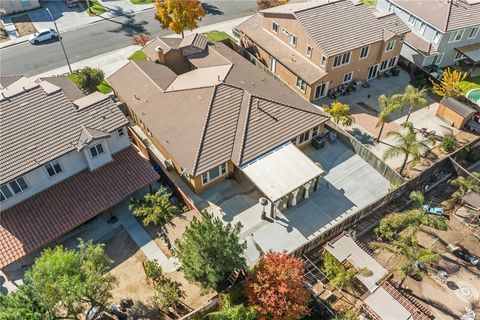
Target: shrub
<point x="448" y="143"/>
<point x="89" y="79"/>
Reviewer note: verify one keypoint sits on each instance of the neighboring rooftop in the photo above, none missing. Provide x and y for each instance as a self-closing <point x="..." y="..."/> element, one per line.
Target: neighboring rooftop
<point x="230" y="116"/>
<point x="41" y="219"/>
<point x="445" y="15"/>
<point x="336" y="26"/>
<point x="457" y="106"/>
<point x="40" y="123"/>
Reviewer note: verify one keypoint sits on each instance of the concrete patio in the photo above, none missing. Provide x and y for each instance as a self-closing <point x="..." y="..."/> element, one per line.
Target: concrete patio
<point x="349" y="185"/>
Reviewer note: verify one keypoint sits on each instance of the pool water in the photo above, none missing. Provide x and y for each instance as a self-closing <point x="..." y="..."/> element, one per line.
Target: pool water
<point x="474" y="95"/>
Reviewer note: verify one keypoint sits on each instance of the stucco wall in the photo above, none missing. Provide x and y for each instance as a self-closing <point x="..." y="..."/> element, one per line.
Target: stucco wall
<point x="14" y="6"/>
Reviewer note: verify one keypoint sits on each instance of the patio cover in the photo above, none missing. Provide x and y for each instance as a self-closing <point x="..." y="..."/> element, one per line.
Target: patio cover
<point x="471" y="51"/>
<point x="281" y="171"/>
<point x="386" y="307"/>
<point x="346" y="249"/>
<point x="44" y="217"/>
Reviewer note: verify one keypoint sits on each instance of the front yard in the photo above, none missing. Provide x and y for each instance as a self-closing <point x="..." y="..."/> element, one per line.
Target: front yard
<point x="103" y="87"/>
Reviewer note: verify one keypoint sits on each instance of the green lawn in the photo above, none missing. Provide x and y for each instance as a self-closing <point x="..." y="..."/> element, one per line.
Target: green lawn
<point x="141" y="1"/>
<point x="370" y="3"/>
<point x="470" y="83"/>
<point x="95" y="8"/>
<point x="217" y="36"/>
<point x="138" y="55"/>
<point x="103" y="87"/>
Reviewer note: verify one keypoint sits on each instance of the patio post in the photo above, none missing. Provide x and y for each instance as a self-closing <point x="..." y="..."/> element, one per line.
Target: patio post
<point x="315" y="183"/>
<point x="307" y="187"/>
<point x="293" y="202"/>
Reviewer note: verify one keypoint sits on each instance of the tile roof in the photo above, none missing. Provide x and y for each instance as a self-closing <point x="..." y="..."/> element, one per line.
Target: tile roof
<point x="284" y="53"/>
<point x="72" y="91"/>
<point x="341" y="26"/>
<point x="196" y="40"/>
<point x="419" y="43"/>
<point x="39" y="125"/>
<point x="41" y="219"/>
<point x="5" y="81"/>
<point x="445" y="15"/>
<point x="209" y="123"/>
<point x="88" y="135"/>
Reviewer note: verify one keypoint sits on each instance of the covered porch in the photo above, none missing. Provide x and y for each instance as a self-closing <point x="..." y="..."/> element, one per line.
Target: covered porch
<point x="472" y="62"/>
<point x="285" y="176"/>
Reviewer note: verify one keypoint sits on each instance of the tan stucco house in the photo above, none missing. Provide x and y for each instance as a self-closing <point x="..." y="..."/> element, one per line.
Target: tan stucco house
<point x="317" y="46"/>
<point x="211" y="112"/>
<point x="15" y="6"/>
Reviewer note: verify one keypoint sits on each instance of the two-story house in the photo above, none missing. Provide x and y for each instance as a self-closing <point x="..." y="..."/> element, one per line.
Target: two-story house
<point x="444" y="32"/>
<point x="318" y="45"/>
<point x="218" y="116"/>
<point x="64" y="158"/>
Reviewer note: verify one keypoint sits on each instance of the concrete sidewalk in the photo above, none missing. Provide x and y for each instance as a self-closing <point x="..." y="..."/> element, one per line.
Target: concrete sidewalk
<point x="114" y="60"/>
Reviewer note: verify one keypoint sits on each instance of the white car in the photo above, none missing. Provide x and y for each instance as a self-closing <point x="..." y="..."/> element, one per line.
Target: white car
<point x="43" y="35"/>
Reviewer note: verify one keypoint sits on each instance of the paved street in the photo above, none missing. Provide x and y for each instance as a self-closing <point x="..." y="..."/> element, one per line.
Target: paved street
<point x="104" y="36"/>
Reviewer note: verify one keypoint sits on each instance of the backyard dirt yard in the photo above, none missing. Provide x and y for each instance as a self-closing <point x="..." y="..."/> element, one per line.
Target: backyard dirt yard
<point x="24" y="25"/>
<point x="444" y="302"/>
<point x="3" y="33"/>
<point x="129" y="272"/>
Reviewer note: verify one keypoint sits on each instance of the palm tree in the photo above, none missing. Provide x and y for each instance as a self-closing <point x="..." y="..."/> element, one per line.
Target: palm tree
<point x="387" y="105"/>
<point x="155" y="207"/>
<point x="407" y="144"/>
<point x="414" y="98"/>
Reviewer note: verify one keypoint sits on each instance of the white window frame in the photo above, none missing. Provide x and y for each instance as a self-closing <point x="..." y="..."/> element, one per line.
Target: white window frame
<point x="383" y="65"/>
<point x="390" y="45"/>
<point x="454" y="36"/>
<point x="412" y="19"/>
<point x="459" y="56"/>
<point x="120" y="132"/>
<point x="473" y="33"/>
<point x="315" y="131"/>
<point x="422" y="28"/>
<point x="392" y="62"/>
<point x="222" y="171"/>
<point x="436" y="37"/>
<point x="362" y="50"/>
<point x="275" y="27"/>
<point x="301" y="85"/>
<point x="304" y="137"/>
<point x="325" y="84"/>
<point x="96" y="149"/>
<point x="323" y="60"/>
<point x="53" y="164"/>
<point x="18" y="185"/>
<point x="435" y="61"/>
<point x="309" y="51"/>
<point x="292" y="39"/>
<point x="3" y="193"/>
<point x="350" y="77"/>
<point x="391" y="7"/>
<point x="343" y="58"/>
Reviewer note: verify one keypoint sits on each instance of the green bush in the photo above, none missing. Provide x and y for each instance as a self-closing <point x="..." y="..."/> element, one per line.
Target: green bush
<point x="448" y="143"/>
<point x="87" y="79"/>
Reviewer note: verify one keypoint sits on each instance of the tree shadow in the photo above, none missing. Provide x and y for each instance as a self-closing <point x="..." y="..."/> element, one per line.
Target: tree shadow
<point x="434" y="304"/>
<point x="141" y="310"/>
<point x="130" y="27"/>
<point x="363" y="137"/>
<point x="211" y="9"/>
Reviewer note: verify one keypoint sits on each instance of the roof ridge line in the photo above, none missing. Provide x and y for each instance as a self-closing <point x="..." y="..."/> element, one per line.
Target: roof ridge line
<point x="290" y="106"/>
<point x="244" y="135"/>
<point x="204" y="131"/>
<point x="320" y="5"/>
<point x="149" y="78"/>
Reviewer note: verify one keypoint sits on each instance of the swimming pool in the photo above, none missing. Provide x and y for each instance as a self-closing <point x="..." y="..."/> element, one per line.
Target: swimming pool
<point x="474" y="95"/>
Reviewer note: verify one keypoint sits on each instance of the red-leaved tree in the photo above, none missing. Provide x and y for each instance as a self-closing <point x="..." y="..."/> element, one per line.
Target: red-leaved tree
<point x="140" y="40"/>
<point x="275" y="287"/>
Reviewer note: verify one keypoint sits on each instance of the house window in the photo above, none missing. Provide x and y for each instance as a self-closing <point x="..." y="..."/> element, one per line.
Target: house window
<point x="390" y="45"/>
<point x="347" y="77"/>
<point x="53" y="168"/>
<point x="364" y="52"/>
<point x="285" y="31"/>
<point x="304" y="137"/>
<point x="391" y="8"/>
<point x="473" y="33"/>
<point x="315" y="131"/>
<point x="456" y="36"/>
<point x="411" y="20"/>
<point x="309" y="51"/>
<point x="383" y="66"/>
<point x="292" y="39"/>
<point x="323" y="60"/>
<point x="5" y="193"/>
<point x="437" y="59"/>
<point x="302" y="85"/>
<point x="96" y="150"/>
<point x="436" y="37"/>
<point x="274" y="27"/>
<point x="422" y="28"/>
<point x="392" y="62"/>
<point x="18" y="185"/>
<point x="214" y="173"/>
<point x="341" y="59"/>
<point x="120" y="132"/>
<point x="459" y="56"/>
